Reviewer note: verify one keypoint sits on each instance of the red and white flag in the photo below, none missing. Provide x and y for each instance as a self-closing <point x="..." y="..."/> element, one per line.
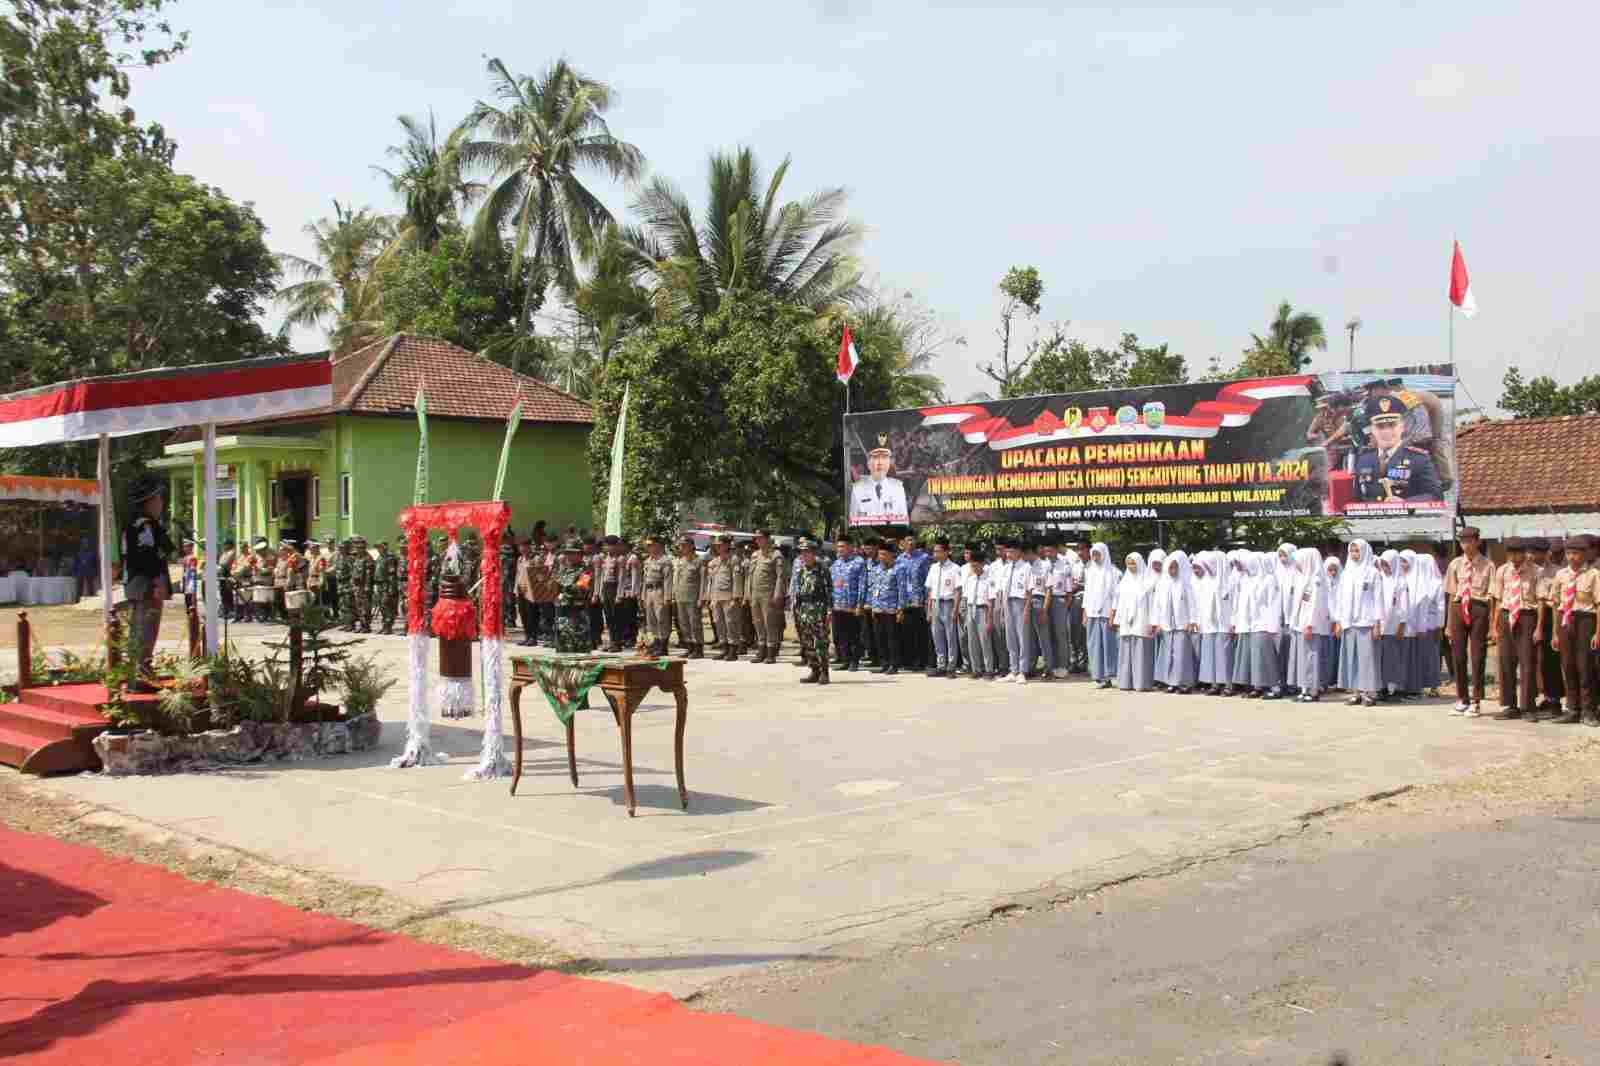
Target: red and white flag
<point x="848" y="359"/>
<point x="1460" y="285"/>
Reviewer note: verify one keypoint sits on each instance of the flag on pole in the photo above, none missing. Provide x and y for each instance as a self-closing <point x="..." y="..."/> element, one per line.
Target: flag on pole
<point x="614" y="496"/>
<point x="512" y="423"/>
<point x="419" y="495"/>
<point x="848" y="359"/>
<point x="1460" y="285"/>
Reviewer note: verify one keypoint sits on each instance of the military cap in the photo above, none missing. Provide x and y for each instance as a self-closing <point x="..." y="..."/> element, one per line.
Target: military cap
<point x="1470" y="533"/>
<point x="1538" y="544"/>
<point x="147" y="486"/>
<point x="806" y="544"/>
<point x="1384" y="409"/>
<point x="571" y="544"/>
<point x="1516" y="544"/>
<point x="285" y="542"/>
<point x="1582" y="542"/>
<point x="612" y="538"/>
<point x="883" y="446"/>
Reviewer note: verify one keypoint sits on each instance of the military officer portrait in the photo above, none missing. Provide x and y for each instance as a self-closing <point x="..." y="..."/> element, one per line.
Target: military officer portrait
<point x="1388" y="470"/>
<point x="879" y="499"/>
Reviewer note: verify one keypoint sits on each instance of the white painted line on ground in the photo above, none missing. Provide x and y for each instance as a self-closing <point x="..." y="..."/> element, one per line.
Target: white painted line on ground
<point x="486" y="823"/>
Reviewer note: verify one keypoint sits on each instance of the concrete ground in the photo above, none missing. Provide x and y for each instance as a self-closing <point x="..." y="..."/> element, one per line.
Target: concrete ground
<point x="824" y="824"/>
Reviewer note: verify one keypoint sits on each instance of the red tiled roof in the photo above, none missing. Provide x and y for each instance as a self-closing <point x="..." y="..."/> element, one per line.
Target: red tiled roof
<point x="1530" y="464"/>
<point x="382" y="378"/>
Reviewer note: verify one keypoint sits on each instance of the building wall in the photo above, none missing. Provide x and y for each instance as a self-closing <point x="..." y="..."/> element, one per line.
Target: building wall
<point x="547" y="476"/>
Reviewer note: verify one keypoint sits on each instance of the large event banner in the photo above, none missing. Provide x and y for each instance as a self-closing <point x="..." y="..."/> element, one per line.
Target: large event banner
<point x="1363" y="444"/>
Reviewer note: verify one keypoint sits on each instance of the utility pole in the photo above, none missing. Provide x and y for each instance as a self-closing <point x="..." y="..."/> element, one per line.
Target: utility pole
<point x="1350" y="327"/>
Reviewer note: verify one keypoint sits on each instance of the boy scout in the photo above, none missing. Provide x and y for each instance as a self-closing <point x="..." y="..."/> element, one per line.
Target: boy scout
<point x="1549" y="564"/>
<point x="688" y="573"/>
<point x="767" y="583"/>
<point x="720" y="592"/>
<point x="1577" y="593"/>
<point x="1466" y="597"/>
<point x="1514" y="595"/>
<point x="657" y="574"/>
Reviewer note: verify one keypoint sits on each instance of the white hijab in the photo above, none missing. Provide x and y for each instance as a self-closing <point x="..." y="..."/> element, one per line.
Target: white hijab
<point x="1311" y="603"/>
<point x="1133" y="599"/>
<point x="1332" y="569"/>
<point x="1352" y="585"/>
<point x="1099" y="583"/>
<point x="1183" y="611"/>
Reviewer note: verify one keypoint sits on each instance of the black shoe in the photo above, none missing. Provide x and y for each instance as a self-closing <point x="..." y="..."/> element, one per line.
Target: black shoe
<point x="1508" y="714"/>
<point x="811" y="678"/>
<point x="892" y="670"/>
<point x="934" y="671"/>
<point x="879" y="670"/>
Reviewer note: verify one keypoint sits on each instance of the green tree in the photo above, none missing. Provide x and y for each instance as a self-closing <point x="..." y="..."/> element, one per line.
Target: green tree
<point x="534" y="144"/>
<point x="1544" y="398"/>
<point x="1293" y="333"/>
<point x="428" y="182"/>
<point x="1023" y="290"/>
<point x="1059" y="364"/>
<point x="339" y="290"/>
<point x="748" y="242"/>
<point x="724" y="409"/>
<point x="897" y="340"/>
<point x="611" y="303"/>
<point x="454" y="291"/>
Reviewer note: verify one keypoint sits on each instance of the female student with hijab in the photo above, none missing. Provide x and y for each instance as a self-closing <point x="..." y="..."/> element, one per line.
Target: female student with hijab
<point x="1428" y="598"/>
<point x="1266" y="630"/>
<point x="1244" y="583"/>
<point x="1357" y="608"/>
<point x="1183" y="640"/>
<point x="1212" y="603"/>
<point x="1331" y="570"/>
<point x="1395" y="605"/>
<point x="1155" y="580"/>
<point x="1285" y="573"/>
<point x="1131" y="620"/>
<point x="1100" y="580"/>
<point x="1311" y="626"/>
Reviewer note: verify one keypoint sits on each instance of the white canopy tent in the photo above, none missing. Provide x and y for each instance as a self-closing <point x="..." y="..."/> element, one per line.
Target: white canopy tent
<point x="154" y="400"/>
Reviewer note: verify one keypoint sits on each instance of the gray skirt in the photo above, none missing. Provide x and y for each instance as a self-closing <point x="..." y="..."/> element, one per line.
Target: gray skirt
<point x="1264" y="667"/>
<point x="1102" y="640"/>
<point x="1330" y="662"/>
<point x="1358" y="661"/>
<point x="1394" y="661"/>
<point x="1163" y="655"/>
<point x="1287" y="654"/>
<point x="1183" y="663"/>
<point x="1135" y="663"/>
<point x="1216" y="658"/>
<point x="1308" y="662"/>
<point x="1427" y="665"/>
<point x="1240" y="675"/>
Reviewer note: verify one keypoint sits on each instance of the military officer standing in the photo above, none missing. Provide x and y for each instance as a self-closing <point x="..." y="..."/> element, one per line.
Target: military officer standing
<point x="813" y="602"/>
<point x="656" y="577"/>
<point x="768" y="582"/>
<point x="147" y="582"/>
<point x="387" y="584"/>
<point x="343" y="576"/>
<point x="574" y="591"/>
<point x="508" y="581"/>
<point x="1389" y="469"/>
<point x="361" y="575"/>
<point x="720" y="592"/>
<point x="688" y="573"/>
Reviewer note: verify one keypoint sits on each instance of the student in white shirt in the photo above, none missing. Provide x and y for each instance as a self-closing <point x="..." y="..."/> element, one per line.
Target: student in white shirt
<point x="1331" y="571"/>
<point x="1058" y="589"/>
<point x="1043" y="646"/>
<point x="1244" y="583"/>
<point x="1393" y="611"/>
<point x="1310" y="625"/>
<point x="1211" y="610"/>
<point x="1266" y="627"/>
<point x="1100" y="580"/>
<point x="943" y="585"/>
<point x="999" y="574"/>
<point x="1357" y="609"/>
<point x="1155" y="578"/>
<point x="1131" y="619"/>
<point x="1016" y="590"/>
<point x="1078" y="659"/>
<point x="1183" y="643"/>
<point x="1283" y="569"/>
<point x="1427" y="596"/>
<point x="976" y="602"/>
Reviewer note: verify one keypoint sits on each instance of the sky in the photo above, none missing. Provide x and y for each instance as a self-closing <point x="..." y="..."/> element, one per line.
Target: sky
<point x="1172" y="171"/>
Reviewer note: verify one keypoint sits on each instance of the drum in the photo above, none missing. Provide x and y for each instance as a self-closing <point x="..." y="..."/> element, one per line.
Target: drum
<point x="261" y="594"/>
<point x="295" y="599"/>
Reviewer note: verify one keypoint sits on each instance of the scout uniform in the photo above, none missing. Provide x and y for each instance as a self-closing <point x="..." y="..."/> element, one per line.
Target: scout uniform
<point x="813" y="599"/>
<point x="266" y="578"/>
<point x="242" y="575"/>
<point x="688" y="572"/>
<point x="280" y="582"/>
<point x="1549" y="658"/>
<point x="1577" y="595"/>
<point x="316" y="571"/>
<point x="721" y="592"/>
<point x="1514" y="591"/>
<point x="656" y="577"/>
<point x="767" y="581"/>
<point x="1466" y="595"/>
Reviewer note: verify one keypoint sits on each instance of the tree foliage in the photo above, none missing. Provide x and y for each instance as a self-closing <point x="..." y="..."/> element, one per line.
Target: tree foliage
<point x="1023" y="290"/>
<point x="1292" y="335"/>
<point x="454" y="291"/>
<point x="428" y="182"/>
<point x="339" y="289"/>
<point x="1542" y="397"/>
<point x="1060" y="364"/>
<point x="898" y="340"/>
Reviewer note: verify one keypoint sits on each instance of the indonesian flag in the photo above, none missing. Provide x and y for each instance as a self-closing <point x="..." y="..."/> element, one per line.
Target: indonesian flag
<point x="1460" y="286"/>
<point x="848" y="359"/>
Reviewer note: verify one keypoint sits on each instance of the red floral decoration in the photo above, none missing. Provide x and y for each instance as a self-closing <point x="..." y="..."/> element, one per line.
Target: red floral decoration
<point x="454" y="620"/>
<point x="490" y="519"/>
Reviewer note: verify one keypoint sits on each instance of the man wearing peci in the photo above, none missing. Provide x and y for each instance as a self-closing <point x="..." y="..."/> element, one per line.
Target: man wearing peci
<point x="878" y="498"/>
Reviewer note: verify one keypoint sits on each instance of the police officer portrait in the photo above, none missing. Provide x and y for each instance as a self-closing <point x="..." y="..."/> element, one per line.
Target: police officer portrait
<point x="879" y="498"/>
<point x="1387" y="469"/>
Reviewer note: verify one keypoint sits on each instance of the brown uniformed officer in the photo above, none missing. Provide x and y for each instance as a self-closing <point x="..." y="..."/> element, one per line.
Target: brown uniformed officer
<point x="1466" y="595"/>
<point x="721" y="592"/>
<point x="1514" y="592"/>
<point x="687" y="578"/>
<point x="767" y="584"/>
<point x="1577" y="593"/>
<point x="656" y="571"/>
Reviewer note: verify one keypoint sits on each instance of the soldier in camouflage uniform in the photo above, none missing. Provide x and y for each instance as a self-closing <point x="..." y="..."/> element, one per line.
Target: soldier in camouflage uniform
<point x="574" y="582"/>
<point x="471" y="569"/>
<point x="387" y="584"/>
<point x="361" y="569"/>
<point x="813" y="604"/>
<point x="802" y="626"/>
<point x="402" y="570"/>
<point x="431" y="582"/>
<point x="343" y="577"/>
<point x="508" y="581"/>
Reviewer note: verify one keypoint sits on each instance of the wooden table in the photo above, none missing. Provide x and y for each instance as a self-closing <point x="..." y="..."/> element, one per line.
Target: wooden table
<point x="625" y="683"/>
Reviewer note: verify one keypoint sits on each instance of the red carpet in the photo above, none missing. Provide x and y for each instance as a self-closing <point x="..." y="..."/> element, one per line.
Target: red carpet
<point x="106" y="960"/>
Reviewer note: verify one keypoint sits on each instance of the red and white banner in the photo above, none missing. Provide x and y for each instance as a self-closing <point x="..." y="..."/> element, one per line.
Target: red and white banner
<point x="50" y="489"/>
<point x="152" y="400"/>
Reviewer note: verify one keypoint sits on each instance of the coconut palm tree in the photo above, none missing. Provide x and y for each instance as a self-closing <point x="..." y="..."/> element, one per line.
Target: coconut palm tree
<point x="428" y="182"/>
<point x="1294" y="333"/>
<point x="749" y="240"/>
<point x="337" y="287"/>
<point x="533" y="141"/>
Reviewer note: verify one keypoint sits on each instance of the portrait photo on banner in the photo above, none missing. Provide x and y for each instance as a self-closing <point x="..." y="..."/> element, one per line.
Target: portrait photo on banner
<point x="1363" y="444"/>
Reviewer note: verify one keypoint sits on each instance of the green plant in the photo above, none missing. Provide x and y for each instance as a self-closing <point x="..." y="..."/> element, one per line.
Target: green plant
<point x="322" y="659"/>
<point x="364" y="683"/>
<point x="76" y="669"/>
<point x="180" y="701"/>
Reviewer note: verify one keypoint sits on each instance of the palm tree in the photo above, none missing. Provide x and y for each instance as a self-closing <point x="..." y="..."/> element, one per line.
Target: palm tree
<point x="338" y="286"/>
<point x="429" y="181"/>
<point x="1294" y="333"/>
<point x="748" y="241"/>
<point x="533" y="144"/>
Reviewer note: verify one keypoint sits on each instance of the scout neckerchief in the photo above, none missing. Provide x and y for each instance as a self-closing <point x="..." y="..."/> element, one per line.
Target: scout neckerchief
<point x="1514" y="599"/>
<point x="1569" y="599"/>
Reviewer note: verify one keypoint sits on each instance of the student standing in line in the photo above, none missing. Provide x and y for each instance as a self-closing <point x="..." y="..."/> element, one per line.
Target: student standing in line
<point x="1466" y="589"/>
<point x="1332" y="570"/>
<point x="1017" y="589"/>
<point x="1394" y="607"/>
<point x="1100" y="580"/>
<point x="1000" y="576"/>
<point x="1549" y="557"/>
<point x="1244" y="583"/>
<point x="976" y="604"/>
<point x="1512" y="594"/>
<point x="1058" y="590"/>
<point x="941" y="589"/>
<point x="1207" y="595"/>
<point x="1285" y="574"/>
<point x="1155" y="572"/>
<point x="1311" y="626"/>
<point x="1416" y="615"/>
<point x="1266" y="630"/>
<point x="1044" y="648"/>
<point x="1430" y="591"/>
<point x="1577" y="596"/>
<point x="1131" y="619"/>
<point x="1357" y="606"/>
<point x="1183" y="645"/>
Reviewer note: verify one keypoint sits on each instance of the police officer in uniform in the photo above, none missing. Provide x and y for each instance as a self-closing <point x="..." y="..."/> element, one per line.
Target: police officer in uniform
<point x="147" y="583"/>
<point x="1389" y="470"/>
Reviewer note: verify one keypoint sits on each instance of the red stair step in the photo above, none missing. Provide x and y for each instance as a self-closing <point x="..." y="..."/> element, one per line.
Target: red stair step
<point x="35" y="722"/>
<point x="84" y="700"/>
<point x="15" y="747"/>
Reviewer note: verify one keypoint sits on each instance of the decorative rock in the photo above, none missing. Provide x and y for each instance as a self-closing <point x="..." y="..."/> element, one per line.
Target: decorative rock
<point x="152" y="753"/>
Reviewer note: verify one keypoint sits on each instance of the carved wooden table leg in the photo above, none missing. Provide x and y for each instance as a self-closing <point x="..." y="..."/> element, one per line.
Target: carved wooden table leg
<point x="630" y="701"/>
<point x="516" y="725"/>
<point x="681" y="692"/>
<point x="572" y="751"/>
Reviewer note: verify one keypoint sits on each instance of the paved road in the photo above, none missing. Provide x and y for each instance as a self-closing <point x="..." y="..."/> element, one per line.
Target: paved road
<point x="1475" y="943"/>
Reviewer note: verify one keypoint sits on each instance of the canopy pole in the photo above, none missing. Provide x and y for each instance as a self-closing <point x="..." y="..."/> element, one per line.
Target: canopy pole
<point x="213" y="546"/>
<point x="107" y="522"/>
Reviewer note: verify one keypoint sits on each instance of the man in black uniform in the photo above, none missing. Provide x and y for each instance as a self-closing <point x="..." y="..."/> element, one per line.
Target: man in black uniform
<point x="146" y="581"/>
<point x="1388" y="470"/>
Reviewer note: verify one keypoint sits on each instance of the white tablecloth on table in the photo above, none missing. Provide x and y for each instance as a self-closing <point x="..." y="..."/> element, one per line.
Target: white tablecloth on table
<point x="8" y="590"/>
<point x="47" y="590"/>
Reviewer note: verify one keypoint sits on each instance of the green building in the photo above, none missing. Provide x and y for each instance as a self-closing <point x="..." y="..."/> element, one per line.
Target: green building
<point x="352" y="468"/>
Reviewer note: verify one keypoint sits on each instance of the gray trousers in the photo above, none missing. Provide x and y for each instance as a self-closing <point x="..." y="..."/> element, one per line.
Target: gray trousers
<point x="1019" y="636"/>
<point x="1060" y="633"/>
<point x="980" y="641"/>
<point x="1076" y="628"/>
<point x="1000" y="661"/>
<point x="1308" y="662"/>
<point x="1043" y="640"/>
<point x="942" y="620"/>
<point x="146" y="626"/>
<point x="727" y="619"/>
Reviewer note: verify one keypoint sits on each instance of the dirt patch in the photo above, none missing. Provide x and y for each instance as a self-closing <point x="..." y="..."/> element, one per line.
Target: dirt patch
<point x="26" y="806"/>
<point x="79" y="627"/>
